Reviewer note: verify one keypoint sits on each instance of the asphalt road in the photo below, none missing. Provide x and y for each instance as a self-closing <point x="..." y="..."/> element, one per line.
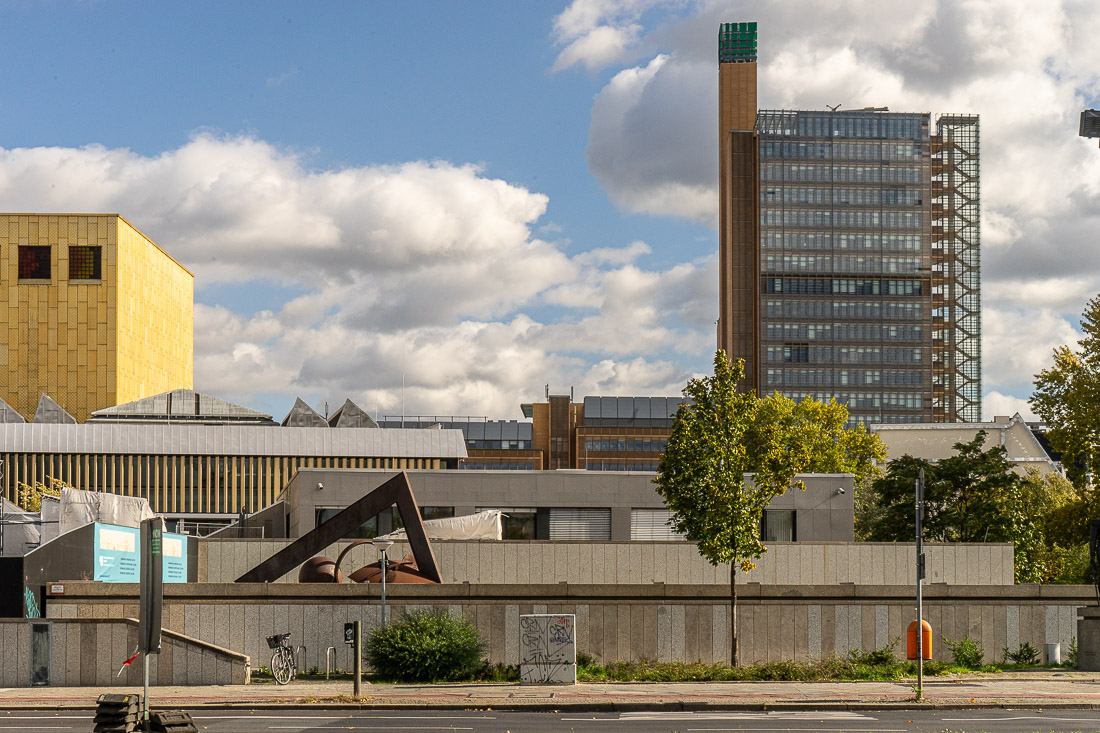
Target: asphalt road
<point x="837" y="721"/>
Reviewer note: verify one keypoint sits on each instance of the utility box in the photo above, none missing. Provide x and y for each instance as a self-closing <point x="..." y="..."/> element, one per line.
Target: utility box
<point x="548" y="648"/>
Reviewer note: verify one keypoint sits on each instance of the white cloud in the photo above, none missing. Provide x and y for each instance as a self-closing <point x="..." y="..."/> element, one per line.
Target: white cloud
<point x="598" y="47"/>
<point x="613" y="256"/>
<point x="599" y="33"/>
<point x="995" y="404"/>
<point x="1017" y="343"/>
<point x="409" y="242"/>
<point x="418" y="274"/>
<point x="279" y="79"/>
<point x="1063" y="294"/>
<point x="648" y="146"/>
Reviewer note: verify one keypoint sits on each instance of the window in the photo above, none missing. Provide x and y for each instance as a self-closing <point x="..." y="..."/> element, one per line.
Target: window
<point x="517" y="523"/>
<point x="85" y="263"/>
<point x="34" y="263"/>
<point x="796" y="353"/>
<point x="777" y="526"/>
<point x="426" y="513"/>
<point x="367" y="530"/>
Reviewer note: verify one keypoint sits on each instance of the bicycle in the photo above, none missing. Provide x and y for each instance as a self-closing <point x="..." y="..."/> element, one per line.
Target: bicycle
<point x="284" y="665"/>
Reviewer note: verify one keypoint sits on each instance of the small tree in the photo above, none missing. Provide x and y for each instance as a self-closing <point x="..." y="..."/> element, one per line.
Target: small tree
<point x="719" y="436"/>
<point x="1067" y="398"/>
<point x="29" y="498"/>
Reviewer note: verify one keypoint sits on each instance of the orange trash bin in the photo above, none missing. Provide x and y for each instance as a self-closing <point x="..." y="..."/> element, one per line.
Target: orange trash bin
<point x="926" y="640"/>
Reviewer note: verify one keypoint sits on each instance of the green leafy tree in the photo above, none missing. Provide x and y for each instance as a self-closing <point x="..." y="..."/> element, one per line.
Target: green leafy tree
<point x="1064" y="511"/>
<point x="29" y="498"/>
<point x="719" y="436"/>
<point x="1070" y="508"/>
<point x="964" y="496"/>
<point x="1067" y="399"/>
<point x="975" y="496"/>
<point x="977" y="490"/>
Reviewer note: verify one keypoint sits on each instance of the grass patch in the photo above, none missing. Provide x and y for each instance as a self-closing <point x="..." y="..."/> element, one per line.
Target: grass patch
<point x="880" y="664"/>
<point x="827" y="669"/>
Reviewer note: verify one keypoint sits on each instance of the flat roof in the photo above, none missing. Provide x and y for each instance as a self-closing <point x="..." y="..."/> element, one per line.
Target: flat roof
<point x="229" y="440"/>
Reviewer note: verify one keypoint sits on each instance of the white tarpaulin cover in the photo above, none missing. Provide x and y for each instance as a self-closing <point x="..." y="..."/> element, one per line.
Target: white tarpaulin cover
<point x="481" y="526"/>
<point x="50" y="509"/>
<point x="83" y="507"/>
<point x="21" y="532"/>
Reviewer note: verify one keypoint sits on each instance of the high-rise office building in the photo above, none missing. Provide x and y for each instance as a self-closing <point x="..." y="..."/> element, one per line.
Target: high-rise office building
<point x="849" y="251"/>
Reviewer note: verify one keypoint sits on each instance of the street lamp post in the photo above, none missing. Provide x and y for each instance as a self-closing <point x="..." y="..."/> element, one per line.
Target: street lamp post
<point x="383" y="545"/>
<point x="919" y="514"/>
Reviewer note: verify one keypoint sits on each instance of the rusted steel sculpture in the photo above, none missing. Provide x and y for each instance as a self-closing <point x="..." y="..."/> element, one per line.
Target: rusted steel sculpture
<point x="319" y="569"/>
<point x="398" y="491"/>
<point x="404" y="570"/>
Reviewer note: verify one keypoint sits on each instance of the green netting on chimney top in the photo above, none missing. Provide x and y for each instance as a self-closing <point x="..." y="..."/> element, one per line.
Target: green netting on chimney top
<point x="736" y="43"/>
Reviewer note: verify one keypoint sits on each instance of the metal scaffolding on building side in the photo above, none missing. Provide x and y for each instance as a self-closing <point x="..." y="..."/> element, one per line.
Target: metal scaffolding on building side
<point x="956" y="270"/>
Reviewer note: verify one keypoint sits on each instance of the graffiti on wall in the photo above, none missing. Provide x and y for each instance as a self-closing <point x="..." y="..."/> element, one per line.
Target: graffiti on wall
<point x="30" y="601"/>
<point x="548" y="647"/>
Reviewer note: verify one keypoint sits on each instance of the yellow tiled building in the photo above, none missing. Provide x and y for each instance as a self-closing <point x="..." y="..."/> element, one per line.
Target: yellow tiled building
<point x="93" y="313"/>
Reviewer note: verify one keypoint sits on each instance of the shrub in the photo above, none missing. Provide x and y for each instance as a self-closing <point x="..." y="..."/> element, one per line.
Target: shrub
<point x="426" y="646"/>
<point x="1071" y="655"/>
<point x="966" y="652"/>
<point x="877" y="657"/>
<point x="1026" y="654"/>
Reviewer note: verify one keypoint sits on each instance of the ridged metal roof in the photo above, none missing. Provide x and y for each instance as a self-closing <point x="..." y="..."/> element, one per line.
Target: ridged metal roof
<point x="230" y="440"/>
<point x="180" y="403"/>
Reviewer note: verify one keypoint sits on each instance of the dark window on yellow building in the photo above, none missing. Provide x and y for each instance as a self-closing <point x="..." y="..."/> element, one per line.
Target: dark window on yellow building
<point x="85" y="263"/>
<point x="34" y="263"/>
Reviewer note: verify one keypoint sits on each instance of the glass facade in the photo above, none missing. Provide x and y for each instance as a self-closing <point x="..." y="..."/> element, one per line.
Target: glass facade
<point x="845" y="260"/>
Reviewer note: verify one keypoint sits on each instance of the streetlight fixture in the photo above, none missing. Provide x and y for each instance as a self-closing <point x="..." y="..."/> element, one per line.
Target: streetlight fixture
<point x="1090" y="123"/>
<point x="383" y="545"/>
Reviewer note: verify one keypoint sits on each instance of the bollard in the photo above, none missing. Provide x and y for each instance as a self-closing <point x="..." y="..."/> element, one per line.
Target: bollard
<point x="1054" y="654"/>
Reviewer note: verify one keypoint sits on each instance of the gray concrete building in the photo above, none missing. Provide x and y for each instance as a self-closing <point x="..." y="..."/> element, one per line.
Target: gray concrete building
<point x="564" y="504"/>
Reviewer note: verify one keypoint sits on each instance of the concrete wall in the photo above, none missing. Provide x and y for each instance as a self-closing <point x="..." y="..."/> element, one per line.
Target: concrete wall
<point x="90" y="652"/>
<point x="785" y="563"/>
<point x="823" y="515"/>
<point x="626" y="622"/>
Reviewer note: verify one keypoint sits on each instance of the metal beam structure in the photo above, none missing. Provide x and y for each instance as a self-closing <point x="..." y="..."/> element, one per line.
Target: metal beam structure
<point x="956" y="270"/>
<point x="397" y="490"/>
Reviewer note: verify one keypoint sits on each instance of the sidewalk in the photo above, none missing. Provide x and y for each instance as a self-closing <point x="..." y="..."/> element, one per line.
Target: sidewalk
<point x="1056" y="689"/>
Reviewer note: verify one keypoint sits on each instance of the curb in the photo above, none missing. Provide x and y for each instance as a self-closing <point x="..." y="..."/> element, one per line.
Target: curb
<point x="594" y="707"/>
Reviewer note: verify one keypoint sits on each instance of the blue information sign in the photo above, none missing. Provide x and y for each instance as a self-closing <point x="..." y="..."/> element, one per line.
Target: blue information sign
<point x="174" y="558"/>
<point x="118" y="557"/>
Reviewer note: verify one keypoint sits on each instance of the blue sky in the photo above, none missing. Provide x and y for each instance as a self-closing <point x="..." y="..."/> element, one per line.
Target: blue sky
<point x="480" y="199"/>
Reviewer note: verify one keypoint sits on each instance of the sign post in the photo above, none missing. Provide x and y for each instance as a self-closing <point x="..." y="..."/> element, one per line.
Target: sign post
<point x="357" y="650"/>
<point x="151" y="598"/>
<point x="919" y="514"/>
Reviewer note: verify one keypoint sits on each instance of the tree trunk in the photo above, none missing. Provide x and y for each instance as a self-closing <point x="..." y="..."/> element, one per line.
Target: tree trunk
<point x="733" y="614"/>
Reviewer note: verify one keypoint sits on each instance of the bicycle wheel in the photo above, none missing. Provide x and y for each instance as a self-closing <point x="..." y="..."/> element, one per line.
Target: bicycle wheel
<point x="281" y="667"/>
